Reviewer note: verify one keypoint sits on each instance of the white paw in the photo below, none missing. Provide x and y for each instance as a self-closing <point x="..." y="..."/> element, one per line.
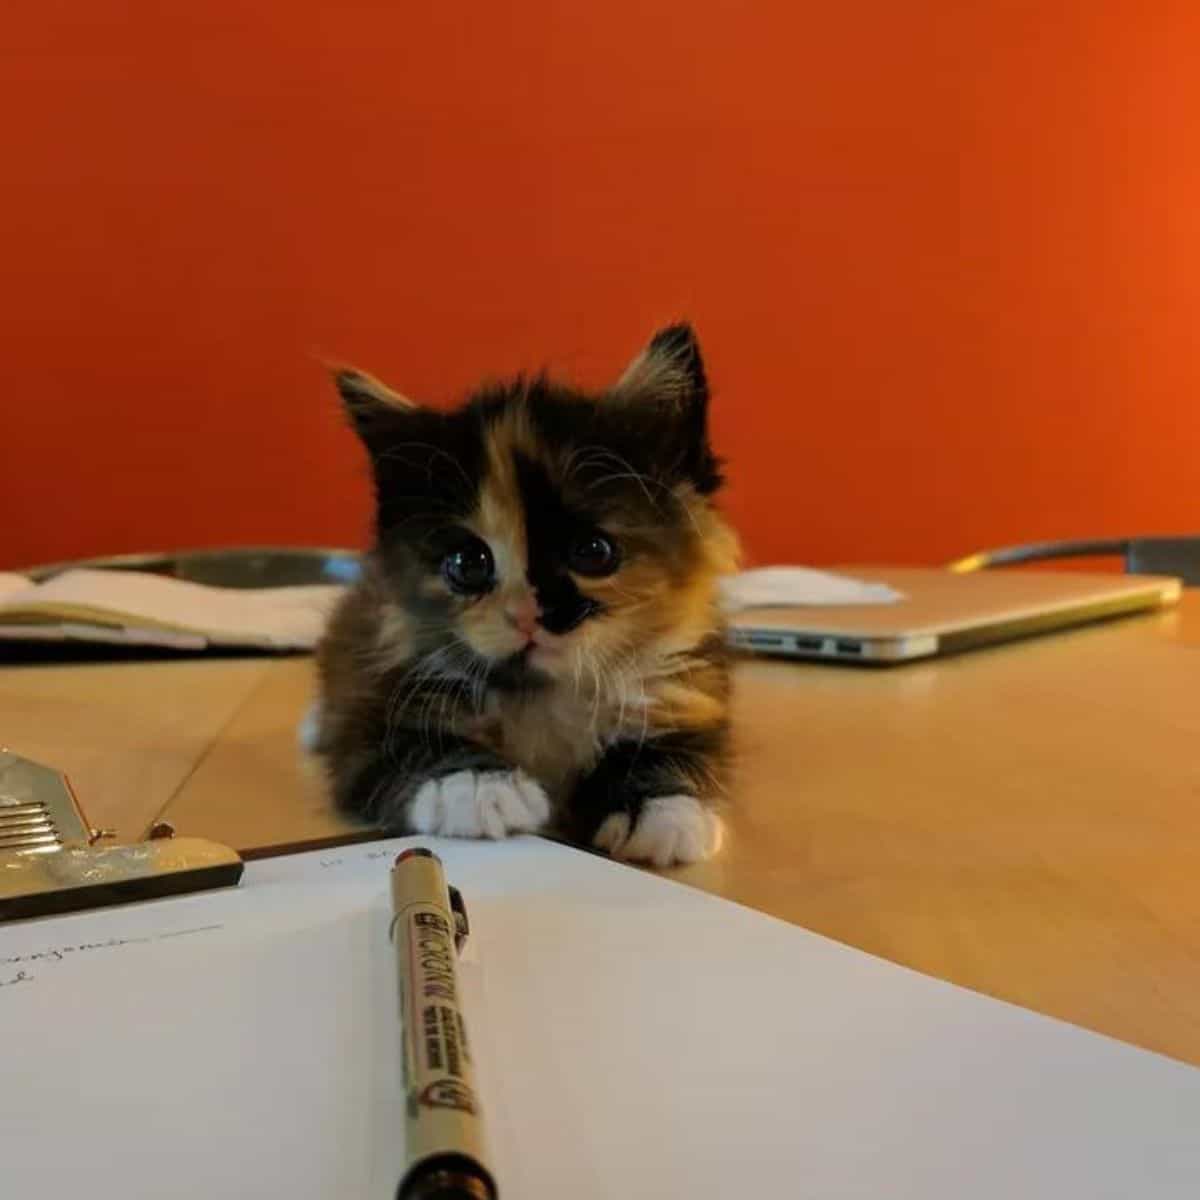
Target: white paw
<point x="472" y="805"/>
<point x="669" y="829"/>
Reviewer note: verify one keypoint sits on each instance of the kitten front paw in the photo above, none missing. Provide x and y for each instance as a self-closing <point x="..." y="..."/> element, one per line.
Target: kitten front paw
<point x="669" y="830"/>
<point x="471" y="804"/>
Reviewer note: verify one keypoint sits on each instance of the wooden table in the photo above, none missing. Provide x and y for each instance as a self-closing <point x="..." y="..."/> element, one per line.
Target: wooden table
<point x="1024" y="820"/>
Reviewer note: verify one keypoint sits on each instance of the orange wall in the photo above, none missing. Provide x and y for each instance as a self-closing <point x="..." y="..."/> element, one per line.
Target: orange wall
<point x="944" y="256"/>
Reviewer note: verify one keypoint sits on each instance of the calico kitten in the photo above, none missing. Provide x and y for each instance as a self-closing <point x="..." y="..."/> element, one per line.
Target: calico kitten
<point x="535" y="641"/>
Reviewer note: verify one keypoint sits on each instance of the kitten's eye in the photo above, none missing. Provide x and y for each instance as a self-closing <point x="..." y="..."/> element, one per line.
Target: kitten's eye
<point x="469" y="570"/>
<point x="593" y="554"/>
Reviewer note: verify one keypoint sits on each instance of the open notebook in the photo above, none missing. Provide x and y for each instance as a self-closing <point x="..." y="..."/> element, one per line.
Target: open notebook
<point x="635" y="1039"/>
<point x="143" y="609"/>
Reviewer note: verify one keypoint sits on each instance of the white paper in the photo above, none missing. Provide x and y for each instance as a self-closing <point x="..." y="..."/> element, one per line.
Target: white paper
<point x="635" y="1039"/>
<point x="11" y="583"/>
<point x="772" y="587"/>
<point x="141" y="607"/>
<point x="72" y="631"/>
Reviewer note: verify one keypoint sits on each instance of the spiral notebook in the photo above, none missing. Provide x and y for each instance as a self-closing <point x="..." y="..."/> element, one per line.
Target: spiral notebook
<point x="635" y="1039"/>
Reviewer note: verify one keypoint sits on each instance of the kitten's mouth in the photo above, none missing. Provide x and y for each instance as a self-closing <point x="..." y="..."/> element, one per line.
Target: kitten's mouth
<point x="541" y="653"/>
<point x="522" y="670"/>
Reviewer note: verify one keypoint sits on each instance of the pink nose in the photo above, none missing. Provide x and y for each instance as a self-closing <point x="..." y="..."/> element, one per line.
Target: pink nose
<point x="523" y="615"/>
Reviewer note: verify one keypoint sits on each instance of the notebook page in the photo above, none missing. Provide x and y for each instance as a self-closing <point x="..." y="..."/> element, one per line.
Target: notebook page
<point x="12" y="585"/>
<point x="115" y="635"/>
<point x="281" y="617"/>
<point x="253" y="1072"/>
<point x="636" y="1039"/>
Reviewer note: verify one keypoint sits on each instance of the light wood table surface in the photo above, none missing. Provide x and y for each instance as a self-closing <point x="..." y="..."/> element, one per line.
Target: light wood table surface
<point x="1024" y="821"/>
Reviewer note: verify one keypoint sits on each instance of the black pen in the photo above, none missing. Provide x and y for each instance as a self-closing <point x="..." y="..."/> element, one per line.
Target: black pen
<point x="444" y="1143"/>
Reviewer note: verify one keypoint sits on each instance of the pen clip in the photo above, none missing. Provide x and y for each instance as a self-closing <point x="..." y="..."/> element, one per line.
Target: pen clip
<point x="462" y="924"/>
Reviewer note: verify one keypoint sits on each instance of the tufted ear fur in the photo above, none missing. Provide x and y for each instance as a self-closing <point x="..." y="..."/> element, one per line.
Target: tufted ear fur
<point x="374" y="409"/>
<point x="670" y="367"/>
<point x="668" y="378"/>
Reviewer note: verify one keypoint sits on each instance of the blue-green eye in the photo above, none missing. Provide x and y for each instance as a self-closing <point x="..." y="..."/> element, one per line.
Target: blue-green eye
<point x="469" y="570"/>
<point x="594" y="555"/>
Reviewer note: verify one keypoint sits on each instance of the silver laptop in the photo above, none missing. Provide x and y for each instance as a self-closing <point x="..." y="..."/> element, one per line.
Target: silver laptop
<point x="943" y="613"/>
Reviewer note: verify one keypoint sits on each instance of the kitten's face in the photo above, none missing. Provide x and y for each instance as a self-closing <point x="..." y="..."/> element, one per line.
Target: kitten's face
<point x="537" y="536"/>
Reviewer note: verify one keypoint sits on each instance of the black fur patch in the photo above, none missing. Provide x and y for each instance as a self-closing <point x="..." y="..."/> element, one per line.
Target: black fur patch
<point x="427" y="468"/>
<point x="550" y="527"/>
<point x="384" y="787"/>
<point x="630" y="773"/>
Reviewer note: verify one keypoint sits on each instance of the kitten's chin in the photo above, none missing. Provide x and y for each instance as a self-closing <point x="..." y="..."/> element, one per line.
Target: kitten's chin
<point x="524" y="671"/>
<point x="546" y="659"/>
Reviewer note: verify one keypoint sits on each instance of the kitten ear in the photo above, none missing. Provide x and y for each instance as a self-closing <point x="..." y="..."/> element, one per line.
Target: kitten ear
<point x="669" y="369"/>
<point x="667" y="383"/>
<point x="372" y="406"/>
<point x="362" y="392"/>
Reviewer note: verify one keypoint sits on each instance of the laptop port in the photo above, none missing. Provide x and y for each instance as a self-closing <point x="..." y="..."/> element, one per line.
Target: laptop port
<point x="764" y="639"/>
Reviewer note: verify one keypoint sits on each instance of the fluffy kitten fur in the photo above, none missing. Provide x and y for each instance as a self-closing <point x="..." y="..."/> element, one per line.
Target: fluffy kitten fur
<point x="535" y="641"/>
